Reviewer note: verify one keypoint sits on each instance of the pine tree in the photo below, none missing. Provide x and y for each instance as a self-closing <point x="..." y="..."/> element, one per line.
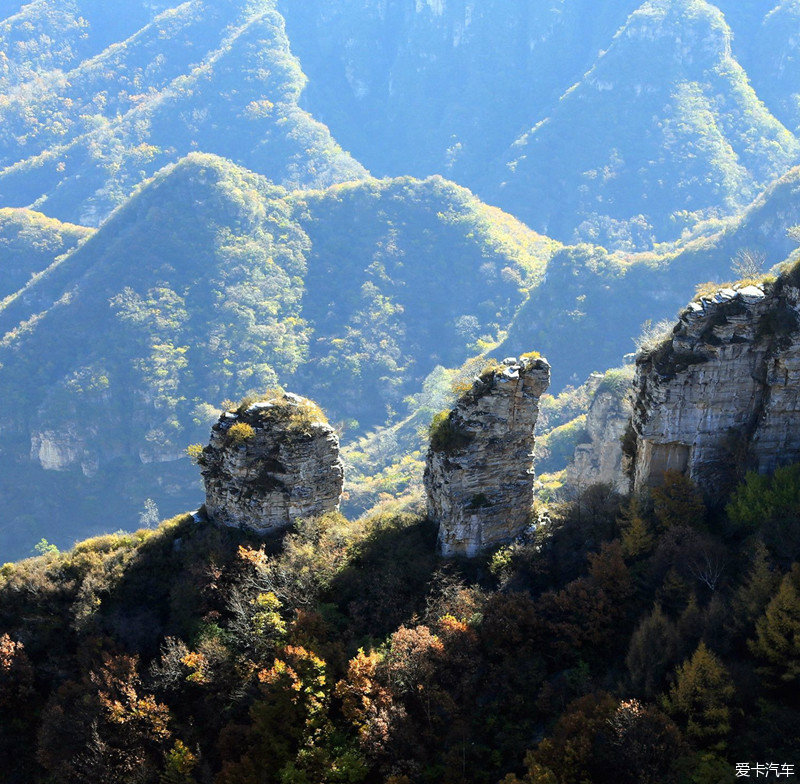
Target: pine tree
<point x="777" y="641"/>
<point x="180" y="764"/>
<point x="700" y="699"/>
<point x="635" y="533"/>
<point x="651" y="653"/>
<point x="678" y="502"/>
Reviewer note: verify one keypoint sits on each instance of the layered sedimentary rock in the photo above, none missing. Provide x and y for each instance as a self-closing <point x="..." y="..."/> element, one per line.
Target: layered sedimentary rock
<point x="479" y="469"/>
<point x="722" y="394"/>
<point x="270" y="463"/>
<point x="599" y="460"/>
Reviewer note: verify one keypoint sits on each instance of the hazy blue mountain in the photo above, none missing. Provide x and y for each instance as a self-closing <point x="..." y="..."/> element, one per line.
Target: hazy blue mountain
<point x="235" y="94"/>
<point x="211" y="283"/>
<point x="445" y="86"/>
<point x="665" y="123"/>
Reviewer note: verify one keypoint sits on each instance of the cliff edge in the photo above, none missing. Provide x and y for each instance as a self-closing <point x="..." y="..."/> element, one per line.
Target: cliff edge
<point x="721" y="395"/>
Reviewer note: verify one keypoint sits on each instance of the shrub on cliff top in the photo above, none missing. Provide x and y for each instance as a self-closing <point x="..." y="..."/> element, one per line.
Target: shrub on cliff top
<point x="298" y="415"/>
<point x="240" y="432"/>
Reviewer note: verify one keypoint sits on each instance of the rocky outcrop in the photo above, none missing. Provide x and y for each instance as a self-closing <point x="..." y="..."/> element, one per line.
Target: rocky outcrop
<point x="270" y="463"/>
<point x="721" y="395"/>
<point x="599" y="460"/>
<point x="479" y="470"/>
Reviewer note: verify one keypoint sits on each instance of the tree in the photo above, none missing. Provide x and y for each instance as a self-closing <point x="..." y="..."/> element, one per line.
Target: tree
<point x="652" y="652"/>
<point x="700" y="699"/>
<point x="754" y="594"/>
<point x="678" y="502"/>
<point x="570" y="752"/>
<point x="770" y="506"/>
<point x="635" y="533"/>
<point x="777" y="641"/>
<point x="149" y="516"/>
<point x="180" y="765"/>
<point x="103" y="728"/>
<point x="290" y="738"/>
<point x="645" y="746"/>
<point x="749" y="263"/>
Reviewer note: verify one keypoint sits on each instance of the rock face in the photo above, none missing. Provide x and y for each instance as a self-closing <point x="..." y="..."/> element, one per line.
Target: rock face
<point x="599" y="460"/>
<point x="479" y="470"/>
<point x="722" y="395"/>
<point x="270" y="463"/>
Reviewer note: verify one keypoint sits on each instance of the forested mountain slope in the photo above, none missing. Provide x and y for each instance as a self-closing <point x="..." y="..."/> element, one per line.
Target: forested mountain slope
<point x="202" y="76"/>
<point x="211" y="283"/>
<point x="614" y="123"/>
<point x="665" y="122"/>
<point x="570" y="313"/>
<point x="617" y="123"/>
<point x="29" y="242"/>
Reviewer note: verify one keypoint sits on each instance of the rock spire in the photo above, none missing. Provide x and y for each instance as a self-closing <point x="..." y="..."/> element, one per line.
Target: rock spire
<point x="479" y="469"/>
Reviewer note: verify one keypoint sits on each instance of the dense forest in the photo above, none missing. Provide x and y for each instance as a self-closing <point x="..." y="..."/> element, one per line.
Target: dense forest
<point x="647" y="638"/>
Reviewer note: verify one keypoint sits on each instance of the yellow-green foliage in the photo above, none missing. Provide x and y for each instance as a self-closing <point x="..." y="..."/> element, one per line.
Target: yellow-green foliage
<point x="654" y="335"/>
<point x="299" y="415"/>
<point x="616" y="381"/>
<point x="561" y="441"/>
<point x="491" y="367"/>
<point x="548" y="485"/>
<point x="195" y="452"/>
<point x="240" y="432"/>
<point x="305" y="414"/>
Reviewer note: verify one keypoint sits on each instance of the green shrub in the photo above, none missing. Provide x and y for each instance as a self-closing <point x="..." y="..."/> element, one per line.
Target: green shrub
<point x="444" y="436"/>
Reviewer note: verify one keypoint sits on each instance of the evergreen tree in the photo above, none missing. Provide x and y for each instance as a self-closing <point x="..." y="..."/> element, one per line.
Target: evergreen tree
<point x="777" y="641"/>
<point x="700" y="699"/>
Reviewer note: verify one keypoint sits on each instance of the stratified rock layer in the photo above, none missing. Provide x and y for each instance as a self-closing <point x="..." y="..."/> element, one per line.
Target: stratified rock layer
<point x="280" y="464"/>
<point x="599" y="460"/>
<point x="479" y="470"/>
<point x="722" y="395"/>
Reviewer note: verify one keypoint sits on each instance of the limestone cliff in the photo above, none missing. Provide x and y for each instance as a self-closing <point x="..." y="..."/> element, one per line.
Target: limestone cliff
<point x="599" y="460"/>
<point x="270" y="463"/>
<point x="479" y="469"/>
<point x="721" y="395"/>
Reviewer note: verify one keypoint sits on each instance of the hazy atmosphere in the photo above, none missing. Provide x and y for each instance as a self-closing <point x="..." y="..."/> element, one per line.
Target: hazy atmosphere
<point x="399" y="391"/>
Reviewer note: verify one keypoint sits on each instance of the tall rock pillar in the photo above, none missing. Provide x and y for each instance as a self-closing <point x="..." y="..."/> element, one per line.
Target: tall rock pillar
<point x="479" y="470"/>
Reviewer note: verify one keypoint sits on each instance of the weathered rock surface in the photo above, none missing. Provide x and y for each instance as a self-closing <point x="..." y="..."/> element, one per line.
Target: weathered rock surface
<point x="599" y="460"/>
<point x="722" y="395"/>
<point x="479" y="470"/>
<point x="270" y="464"/>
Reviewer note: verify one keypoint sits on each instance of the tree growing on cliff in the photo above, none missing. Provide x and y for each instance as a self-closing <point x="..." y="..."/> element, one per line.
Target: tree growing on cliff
<point x="677" y="501"/>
